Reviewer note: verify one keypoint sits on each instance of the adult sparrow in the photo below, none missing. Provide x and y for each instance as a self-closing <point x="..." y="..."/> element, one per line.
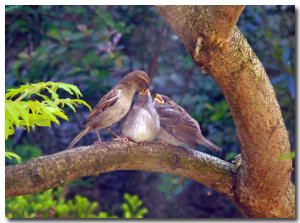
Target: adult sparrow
<point x="177" y="127"/>
<point x="142" y="122"/>
<point x="114" y="105"/>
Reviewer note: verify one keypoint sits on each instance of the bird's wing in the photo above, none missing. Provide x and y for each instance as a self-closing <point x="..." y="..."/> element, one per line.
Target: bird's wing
<point x="179" y="124"/>
<point x="106" y="102"/>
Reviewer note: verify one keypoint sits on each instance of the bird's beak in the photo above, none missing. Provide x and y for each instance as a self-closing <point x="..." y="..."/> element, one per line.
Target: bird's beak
<point x="159" y="99"/>
<point x="144" y="91"/>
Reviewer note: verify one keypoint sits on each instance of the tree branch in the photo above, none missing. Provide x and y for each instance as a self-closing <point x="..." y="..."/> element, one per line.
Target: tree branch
<point x="53" y="170"/>
<point x="263" y="187"/>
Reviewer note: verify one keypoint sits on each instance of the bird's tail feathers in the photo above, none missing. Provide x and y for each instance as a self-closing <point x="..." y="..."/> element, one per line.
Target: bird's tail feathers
<point x="209" y="144"/>
<point x="78" y="137"/>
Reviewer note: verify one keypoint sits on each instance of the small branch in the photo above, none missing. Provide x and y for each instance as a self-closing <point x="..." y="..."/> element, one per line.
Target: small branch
<point x="58" y="169"/>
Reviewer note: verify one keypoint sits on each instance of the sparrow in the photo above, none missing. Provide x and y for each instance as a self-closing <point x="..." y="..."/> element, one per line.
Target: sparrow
<point x="177" y="127"/>
<point x="142" y="121"/>
<point x="114" y="105"/>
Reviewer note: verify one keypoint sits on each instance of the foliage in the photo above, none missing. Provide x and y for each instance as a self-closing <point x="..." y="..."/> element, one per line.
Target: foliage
<point x="52" y="204"/>
<point x="10" y="155"/>
<point x="25" y="150"/>
<point x="32" y="112"/>
<point x="171" y="185"/>
<point x="132" y="207"/>
<point x="87" y="36"/>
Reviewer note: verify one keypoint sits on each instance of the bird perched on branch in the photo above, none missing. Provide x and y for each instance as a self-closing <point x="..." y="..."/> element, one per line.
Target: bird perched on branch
<point x="177" y="127"/>
<point x="142" y="122"/>
<point x="114" y="105"/>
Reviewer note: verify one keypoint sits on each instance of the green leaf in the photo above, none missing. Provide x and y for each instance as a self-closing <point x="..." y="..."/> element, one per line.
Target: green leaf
<point x="23" y="55"/>
<point x="67" y="87"/>
<point x="53" y="93"/>
<point x="11" y="112"/>
<point x="79" y="101"/>
<point x="9" y="155"/>
<point x="41" y="120"/>
<point x="23" y="112"/>
<point x="69" y="103"/>
<point x="94" y="73"/>
<point x="54" y="33"/>
<point x="216" y="116"/>
<point x="46" y="98"/>
<point x="287" y="156"/>
<point x="28" y="113"/>
<point x="9" y="128"/>
<point x="61" y="114"/>
<point x="209" y="106"/>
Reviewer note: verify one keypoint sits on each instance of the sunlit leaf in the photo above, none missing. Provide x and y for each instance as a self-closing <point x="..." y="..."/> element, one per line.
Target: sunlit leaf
<point x="21" y="111"/>
<point x="287" y="156"/>
<point x="41" y="120"/>
<point x="10" y="155"/>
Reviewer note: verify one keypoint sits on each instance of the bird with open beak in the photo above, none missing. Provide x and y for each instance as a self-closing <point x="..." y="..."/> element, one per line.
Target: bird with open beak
<point x="142" y="122"/>
<point x="114" y="105"/>
<point x="177" y="127"/>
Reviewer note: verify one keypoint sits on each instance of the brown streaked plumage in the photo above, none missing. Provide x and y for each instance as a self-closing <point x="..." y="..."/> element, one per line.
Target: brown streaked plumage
<point x="114" y="105"/>
<point x="177" y="127"/>
<point x="142" y="122"/>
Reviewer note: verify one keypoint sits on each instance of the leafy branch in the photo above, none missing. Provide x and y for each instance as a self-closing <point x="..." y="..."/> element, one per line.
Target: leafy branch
<point x="38" y="105"/>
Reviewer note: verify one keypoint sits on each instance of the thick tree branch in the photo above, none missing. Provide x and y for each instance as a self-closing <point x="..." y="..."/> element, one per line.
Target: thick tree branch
<point x="263" y="187"/>
<point x="53" y="170"/>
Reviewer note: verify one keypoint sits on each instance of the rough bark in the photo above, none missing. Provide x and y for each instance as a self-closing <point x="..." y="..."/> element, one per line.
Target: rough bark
<point x="262" y="187"/>
<point x="58" y="169"/>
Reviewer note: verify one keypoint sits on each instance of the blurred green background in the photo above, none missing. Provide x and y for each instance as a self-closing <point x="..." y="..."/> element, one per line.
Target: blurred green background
<point x="93" y="47"/>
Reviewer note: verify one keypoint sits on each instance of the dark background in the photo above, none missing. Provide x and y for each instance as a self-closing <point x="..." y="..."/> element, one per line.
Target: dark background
<point x="94" y="46"/>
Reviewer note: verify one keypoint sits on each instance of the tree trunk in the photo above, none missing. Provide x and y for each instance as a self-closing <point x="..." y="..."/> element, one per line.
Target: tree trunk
<point x="262" y="186"/>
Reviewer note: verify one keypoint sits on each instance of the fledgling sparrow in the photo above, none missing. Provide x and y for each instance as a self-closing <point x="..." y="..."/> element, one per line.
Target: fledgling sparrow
<point x="114" y="105"/>
<point x="142" y="122"/>
<point x="177" y="127"/>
